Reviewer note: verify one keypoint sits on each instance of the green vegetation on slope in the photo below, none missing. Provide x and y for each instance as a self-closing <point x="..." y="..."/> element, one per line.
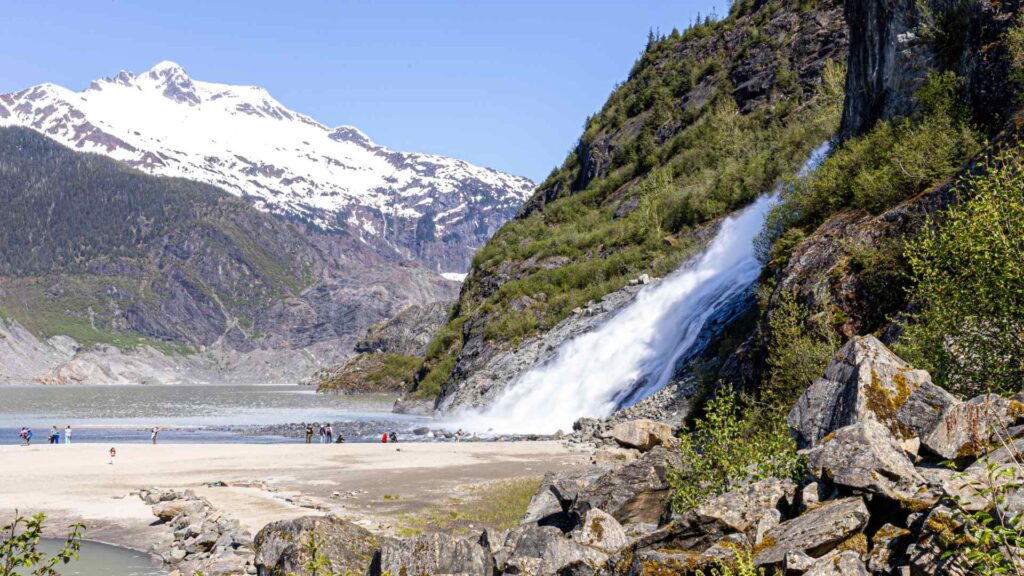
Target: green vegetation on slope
<point x="968" y="267"/>
<point x="108" y="255"/>
<point x="674" y="148"/>
<point x="369" y="373"/>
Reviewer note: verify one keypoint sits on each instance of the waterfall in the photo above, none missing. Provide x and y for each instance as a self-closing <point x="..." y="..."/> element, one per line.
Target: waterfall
<point x="634" y="353"/>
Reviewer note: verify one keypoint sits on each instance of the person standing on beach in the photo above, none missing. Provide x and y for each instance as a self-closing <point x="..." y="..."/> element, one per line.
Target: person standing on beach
<point x="28" y="437"/>
<point x="113" y="454"/>
<point x="309" y="433"/>
<point x="67" y="434"/>
<point x="323" y="434"/>
<point x="330" y="433"/>
<point x="152" y="435"/>
<point x="53" y="434"/>
<point x="23" y="435"/>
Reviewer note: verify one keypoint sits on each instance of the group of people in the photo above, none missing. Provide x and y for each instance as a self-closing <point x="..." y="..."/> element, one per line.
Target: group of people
<point x="389" y="437"/>
<point x="53" y="438"/>
<point x="326" y="432"/>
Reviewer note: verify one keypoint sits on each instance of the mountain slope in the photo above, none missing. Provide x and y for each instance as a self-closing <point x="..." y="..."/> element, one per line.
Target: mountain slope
<point x="108" y="255"/>
<point x="436" y="210"/>
<point x="706" y="121"/>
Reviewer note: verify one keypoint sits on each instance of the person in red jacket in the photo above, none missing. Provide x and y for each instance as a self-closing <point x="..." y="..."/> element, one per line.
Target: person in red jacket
<point x="384" y="438"/>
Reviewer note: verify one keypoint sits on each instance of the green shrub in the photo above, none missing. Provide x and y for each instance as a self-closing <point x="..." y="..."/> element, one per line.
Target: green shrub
<point x="796" y="355"/>
<point x="19" y="548"/>
<point x="968" y="267"/>
<point x="730" y="445"/>
<point x="892" y="162"/>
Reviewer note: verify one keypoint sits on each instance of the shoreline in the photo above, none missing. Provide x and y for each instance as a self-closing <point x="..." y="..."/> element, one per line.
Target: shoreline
<point x="373" y="485"/>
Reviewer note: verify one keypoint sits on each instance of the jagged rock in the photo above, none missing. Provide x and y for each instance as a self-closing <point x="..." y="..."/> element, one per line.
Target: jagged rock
<point x="816" y="532"/>
<point x="408" y="332"/>
<point x="557" y="493"/>
<point x="635" y="494"/>
<point x="544" y="550"/>
<point x="435" y="554"/>
<point x="865" y="456"/>
<point x="887" y="548"/>
<point x="600" y="530"/>
<point x="966" y="429"/>
<point x="279" y="545"/>
<point x="642" y="434"/>
<point x="741" y="509"/>
<point x="845" y="564"/>
<point x="770" y="519"/>
<point x="865" y="381"/>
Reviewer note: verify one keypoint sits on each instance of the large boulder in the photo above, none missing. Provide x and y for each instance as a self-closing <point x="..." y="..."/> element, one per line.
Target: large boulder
<point x="435" y="554"/>
<point x="557" y="493"/>
<point x="170" y="509"/>
<point x="643" y="434"/>
<point x="816" y="532"/>
<point x="281" y="547"/>
<point x="741" y="509"/>
<point x="544" y="550"/>
<point x="968" y="428"/>
<point x="866" y="381"/>
<point x="636" y="494"/>
<point x="865" y="456"/>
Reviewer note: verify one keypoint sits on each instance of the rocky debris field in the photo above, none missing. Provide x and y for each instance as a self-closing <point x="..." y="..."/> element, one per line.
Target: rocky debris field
<point x="876" y="498"/>
<point x="205" y="539"/>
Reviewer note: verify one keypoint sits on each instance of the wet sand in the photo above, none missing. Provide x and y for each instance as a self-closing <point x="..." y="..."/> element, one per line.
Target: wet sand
<point x="264" y="482"/>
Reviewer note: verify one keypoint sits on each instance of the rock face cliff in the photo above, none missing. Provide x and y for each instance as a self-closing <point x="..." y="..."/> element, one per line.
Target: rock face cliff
<point x="894" y="47"/>
<point x="98" y="254"/>
<point x="706" y="121"/>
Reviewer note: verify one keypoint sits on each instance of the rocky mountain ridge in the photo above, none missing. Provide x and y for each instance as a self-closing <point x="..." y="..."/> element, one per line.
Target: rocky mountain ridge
<point x="433" y="209"/>
<point x="110" y="275"/>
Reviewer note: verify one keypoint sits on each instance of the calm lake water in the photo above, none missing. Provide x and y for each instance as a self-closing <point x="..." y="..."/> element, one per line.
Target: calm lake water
<point x="97" y="559"/>
<point x="190" y="413"/>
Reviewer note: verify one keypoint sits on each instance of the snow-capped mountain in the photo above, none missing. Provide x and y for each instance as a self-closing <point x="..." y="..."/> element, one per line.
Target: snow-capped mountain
<point x="435" y="209"/>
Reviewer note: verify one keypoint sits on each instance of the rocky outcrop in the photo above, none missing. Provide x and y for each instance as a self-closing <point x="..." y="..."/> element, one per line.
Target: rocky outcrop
<point x="895" y="44"/>
<point x="636" y="494"/>
<point x="284" y="547"/>
<point x="408" y="332"/>
<point x="866" y="381"/>
<point x="205" y="539"/>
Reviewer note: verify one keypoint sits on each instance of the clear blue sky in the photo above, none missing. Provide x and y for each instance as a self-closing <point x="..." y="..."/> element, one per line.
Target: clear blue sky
<point x="505" y="84"/>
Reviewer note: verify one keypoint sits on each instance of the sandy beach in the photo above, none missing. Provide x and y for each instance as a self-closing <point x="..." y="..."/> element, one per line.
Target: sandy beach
<point x="371" y="484"/>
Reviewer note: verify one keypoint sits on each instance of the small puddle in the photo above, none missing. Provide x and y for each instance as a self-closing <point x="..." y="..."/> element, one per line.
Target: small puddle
<point x="97" y="559"/>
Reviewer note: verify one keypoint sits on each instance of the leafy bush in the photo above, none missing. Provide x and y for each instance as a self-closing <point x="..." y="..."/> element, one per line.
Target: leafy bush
<point x="986" y="538"/>
<point x="796" y="355"/>
<point x="968" y="266"/>
<point x="19" y="548"/>
<point x="730" y="445"/>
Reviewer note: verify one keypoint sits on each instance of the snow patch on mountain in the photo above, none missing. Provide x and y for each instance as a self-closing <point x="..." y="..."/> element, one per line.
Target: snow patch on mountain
<point x="432" y="208"/>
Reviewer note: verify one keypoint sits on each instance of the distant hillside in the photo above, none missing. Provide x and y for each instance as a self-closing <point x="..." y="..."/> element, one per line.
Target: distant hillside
<point x="105" y="254"/>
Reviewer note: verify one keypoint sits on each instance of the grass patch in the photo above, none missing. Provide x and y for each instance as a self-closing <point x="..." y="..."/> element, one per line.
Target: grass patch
<point x="499" y="505"/>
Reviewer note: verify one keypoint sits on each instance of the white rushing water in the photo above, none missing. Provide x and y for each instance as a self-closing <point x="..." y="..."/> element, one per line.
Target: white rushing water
<point x="635" y="352"/>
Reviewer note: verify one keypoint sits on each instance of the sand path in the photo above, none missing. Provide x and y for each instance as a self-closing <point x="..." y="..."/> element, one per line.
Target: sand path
<point x="266" y="482"/>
